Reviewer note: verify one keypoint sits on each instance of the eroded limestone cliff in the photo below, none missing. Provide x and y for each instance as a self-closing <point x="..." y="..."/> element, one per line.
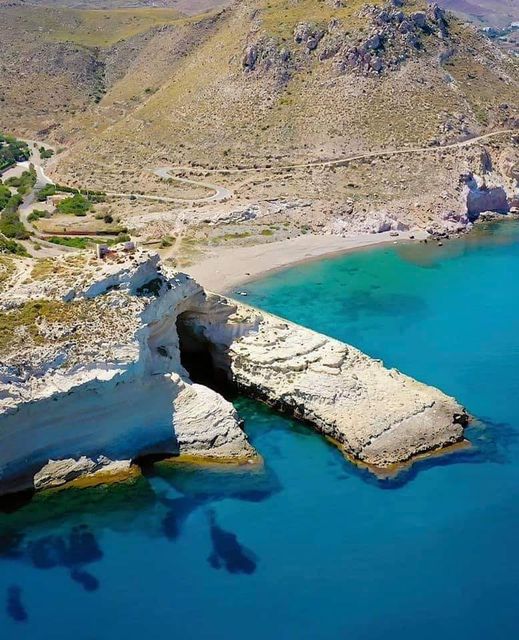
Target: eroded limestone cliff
<point x="92" y="376"/>
<point x="378" y="416"/>
<point x="90" y="367"/>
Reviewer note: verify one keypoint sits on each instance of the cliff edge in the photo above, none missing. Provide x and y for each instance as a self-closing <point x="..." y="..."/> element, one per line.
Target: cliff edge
<point x="99" y="362"/>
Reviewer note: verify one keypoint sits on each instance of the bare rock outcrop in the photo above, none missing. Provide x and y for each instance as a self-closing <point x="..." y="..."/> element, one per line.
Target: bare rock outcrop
<point x="92" y="372"/>
<point x="267" y="56"/>
<point x="96" y="372"/>
<point x="392" y="37"/>
<point x="482" y="196"/>
<point x="378" y="416"/>
<point x="57" y="473"/>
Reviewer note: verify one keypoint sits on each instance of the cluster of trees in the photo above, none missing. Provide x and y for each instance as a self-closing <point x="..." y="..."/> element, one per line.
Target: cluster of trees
<point x="36" y="215"/>
<point x="12" y="151"/>
<point x="10" y="223"/>
<point x="46" y="153"/>
<point x="76" y="205"/>
<point x="5" y="194"/>
<point x="80" y="202"/>
<point x="84" y="241"/>
<point x="52" y="189"/>
<point x="24" y="183"/>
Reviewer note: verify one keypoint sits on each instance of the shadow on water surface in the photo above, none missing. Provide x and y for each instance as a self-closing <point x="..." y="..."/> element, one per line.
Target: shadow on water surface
<point x="178" y="511"/>
<point x="363" y="302"/>
<point x="14" y="606"/>
<point x="63" y="529"/>
<point x="72" y="550"/>
<point x="227" y="551"/>
<point x="489" y="442"/>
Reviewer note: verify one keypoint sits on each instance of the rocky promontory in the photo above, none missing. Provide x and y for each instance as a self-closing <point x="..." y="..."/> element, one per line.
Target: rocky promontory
<point x="106" y="361"/>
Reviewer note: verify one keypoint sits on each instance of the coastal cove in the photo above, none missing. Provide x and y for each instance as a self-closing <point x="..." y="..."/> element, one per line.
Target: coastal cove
<point x="309" y="546"/>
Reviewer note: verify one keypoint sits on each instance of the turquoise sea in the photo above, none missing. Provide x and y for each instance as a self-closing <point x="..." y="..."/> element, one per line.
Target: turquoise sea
<point x="311" y="547"/>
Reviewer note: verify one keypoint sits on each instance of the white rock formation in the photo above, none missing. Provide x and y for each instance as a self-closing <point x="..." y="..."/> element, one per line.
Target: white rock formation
<point x="60" y="472"/>
<point x="483" y="195"/>
<point x="379" y="416"/>
<point x="91" y="376"/>
<point x="100" y="375"/>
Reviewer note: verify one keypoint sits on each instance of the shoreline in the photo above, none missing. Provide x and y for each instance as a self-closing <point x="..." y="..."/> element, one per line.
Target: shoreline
<point x="237" y="266"/>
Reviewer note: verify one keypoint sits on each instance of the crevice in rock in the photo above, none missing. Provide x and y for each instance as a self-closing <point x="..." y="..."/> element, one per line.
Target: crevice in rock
<point x="201" y="359"/>
<point x="146" y="462"/>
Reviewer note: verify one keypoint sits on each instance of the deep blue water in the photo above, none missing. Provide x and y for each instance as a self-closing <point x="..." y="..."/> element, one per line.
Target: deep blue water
<point x="311" y="547"/>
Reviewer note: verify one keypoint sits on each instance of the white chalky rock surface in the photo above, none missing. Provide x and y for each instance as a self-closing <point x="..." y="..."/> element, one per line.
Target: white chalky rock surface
<point x="92" y="381"/>
<point x="91" y="376"/>
<point x="380" y="416"/>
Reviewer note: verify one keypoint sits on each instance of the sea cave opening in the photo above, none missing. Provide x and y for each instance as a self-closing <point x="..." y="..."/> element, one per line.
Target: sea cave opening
<point x="199" y="357"/>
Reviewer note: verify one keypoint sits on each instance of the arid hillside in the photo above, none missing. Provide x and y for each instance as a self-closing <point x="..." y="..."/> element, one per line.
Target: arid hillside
<point x="256" y="98"/>
<point x="278" y="81"/>
<point x="262" y="81"/>
<point x="58" y="63"/>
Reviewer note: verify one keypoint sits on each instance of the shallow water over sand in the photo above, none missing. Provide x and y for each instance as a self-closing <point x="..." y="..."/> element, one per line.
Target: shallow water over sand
<point x="310" y="546"/>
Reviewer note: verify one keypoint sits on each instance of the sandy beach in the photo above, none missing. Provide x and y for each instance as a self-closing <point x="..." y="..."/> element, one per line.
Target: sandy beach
<point x="236" y="266"/>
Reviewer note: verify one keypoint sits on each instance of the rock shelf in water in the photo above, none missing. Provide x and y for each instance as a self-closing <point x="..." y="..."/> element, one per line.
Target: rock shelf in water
<point x="98" y="357"/>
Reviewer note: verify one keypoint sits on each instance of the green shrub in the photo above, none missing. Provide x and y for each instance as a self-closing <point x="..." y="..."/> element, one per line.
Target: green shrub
<point x="23" y="183"/>
<point x="76" y="205"/>
<point x="36" y="215"/>
<point x="46" y="153"/>
<point x="10" y="246"/>
<point x="166" y="242"/>
<point x="5" y="194"/>
<point x="52" y="189"/>
<point x="10" y="224"/>
<point x="64" y="189"/>
<point x="48" y="190"/>
<point x="77" y="243"/>
<point x="12" y="151"/>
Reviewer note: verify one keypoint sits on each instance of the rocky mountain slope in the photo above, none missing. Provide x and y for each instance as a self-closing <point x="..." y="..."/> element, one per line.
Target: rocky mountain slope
<point x="256" y="97"/>
<point x="286" y="82"/>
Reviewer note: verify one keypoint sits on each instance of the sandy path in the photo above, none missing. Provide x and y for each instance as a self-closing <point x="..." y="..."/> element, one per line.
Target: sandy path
<point x="347" y="159"/>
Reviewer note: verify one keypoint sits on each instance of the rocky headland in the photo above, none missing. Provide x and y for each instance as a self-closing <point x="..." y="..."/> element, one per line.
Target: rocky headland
<point x="100" y="361"/>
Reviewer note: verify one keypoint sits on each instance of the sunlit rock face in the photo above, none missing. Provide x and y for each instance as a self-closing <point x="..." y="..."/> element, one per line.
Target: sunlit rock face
<point x="95" y="373"/>
<point x="111" y="360"/>
<point x="482" y="196"/>
<point x="379" y="416"/>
